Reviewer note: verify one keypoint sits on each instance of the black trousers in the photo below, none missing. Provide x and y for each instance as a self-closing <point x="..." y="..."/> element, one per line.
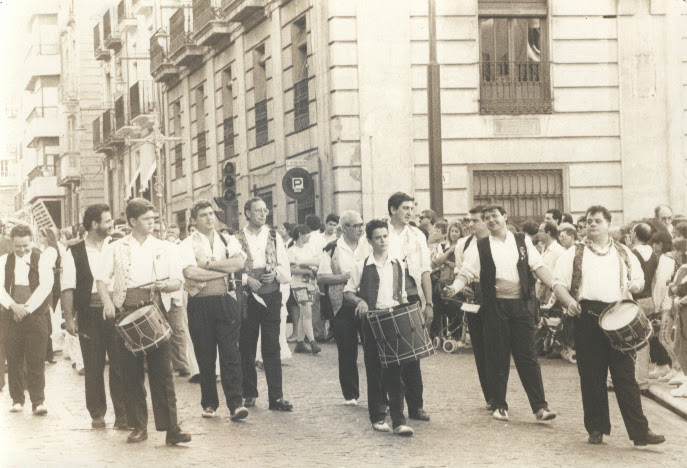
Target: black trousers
<point x="346" y="327"/>
<point x="509" y="329"/>
<point x="595" y="357"/>
<point x="412" y="377"/>
<point x="476" y="329"/>
<point x="658" y="353"/>
<point x="26" y="344"/>
<point x="263" y="321"/>
<point x="99" y="338"/>
<point x="382" y="382"/>
<point x="214" y="322"/>
<point x="158" y="360"/>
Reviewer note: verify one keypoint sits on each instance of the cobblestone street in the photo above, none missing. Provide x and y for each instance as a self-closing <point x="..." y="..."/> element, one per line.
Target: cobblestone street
<point x="322" y="432"/>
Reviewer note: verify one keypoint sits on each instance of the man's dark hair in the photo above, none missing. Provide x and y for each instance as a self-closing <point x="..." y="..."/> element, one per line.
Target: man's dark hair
<point x="664" y="239"/>
<point x="396" y="200"/>
<point x="551" y="229"/>
<point x="595" y="209"/>
<point x="94" y="213"/>
<point x="313" y="222"/>
<point x="21" y="230"/>
<point x="249" y="204"/>
<point x="429" y="214"/>
<point x="498" y="208"/>
<point x="199" y="205"/>
<point x="375" y="224"/>
<point x="569" y="229"/>
<point x="476" y="209"/>
<point x="658" y="208"/>
<point x="556" y="214"/>
<point x="331" y="217"/>
<point x="137" y="207"/>
<point x="582" y="219"/>
<point x="188" y="228"/>
<point x="567" y="218"/>
<point x="643" y="232"/>
<point x="530" y="227"/>
<point x="298" y="231"/>
<point x="681" y="229"/>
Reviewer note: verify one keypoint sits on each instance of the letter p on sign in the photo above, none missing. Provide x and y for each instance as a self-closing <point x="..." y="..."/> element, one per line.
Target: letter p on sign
<point x="297" y="184"/>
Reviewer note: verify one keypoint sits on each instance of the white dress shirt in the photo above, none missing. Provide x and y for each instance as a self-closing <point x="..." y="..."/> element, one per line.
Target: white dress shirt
<point x="317" y="242"/>
<point x="551" y="254"/>
<point x="95" y="263"/>
<point x="215" y="252"/>
<point x="300" y="256"/>
<point x="344" y="256"/>
<point x="659" y="290"/>
<point x="257" y="244"/>
<point x="410" y="247"/>
<point x="385" y="296"/>
<point x="601" y="274"/>
<point x="46" y="278"/>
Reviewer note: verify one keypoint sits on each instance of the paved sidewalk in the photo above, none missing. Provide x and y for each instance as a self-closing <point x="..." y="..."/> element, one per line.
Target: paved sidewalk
<point x="660" y="392"/>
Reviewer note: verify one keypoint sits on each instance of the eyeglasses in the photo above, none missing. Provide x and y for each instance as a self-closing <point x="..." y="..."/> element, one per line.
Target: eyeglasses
<point x="356" y="226"/>
<point x="263" y="211"/>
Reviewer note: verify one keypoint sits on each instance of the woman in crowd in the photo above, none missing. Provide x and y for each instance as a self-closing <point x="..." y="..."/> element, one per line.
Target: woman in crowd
<point x="48" y="245"/>
<point x="678" y="291"/>
<point x="443" y="266"/>
<point x="662" y="350"/>
<point x="304" y="264"/>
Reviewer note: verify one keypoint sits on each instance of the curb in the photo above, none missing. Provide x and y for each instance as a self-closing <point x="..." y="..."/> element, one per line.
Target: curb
<point x="661" y="394"/>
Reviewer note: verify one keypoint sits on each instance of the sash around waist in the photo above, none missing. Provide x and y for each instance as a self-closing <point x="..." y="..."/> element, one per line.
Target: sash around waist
<point x="215" y="287"/>
<point x="508" y="289"/>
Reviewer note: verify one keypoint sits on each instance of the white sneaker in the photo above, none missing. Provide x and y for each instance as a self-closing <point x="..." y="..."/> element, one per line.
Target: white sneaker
<point x="680" y="392"/>
<point x="381" y="426"/>
<point x="351" y="402"/>
<point x="16" y="408"/>
<point x="208" y="413"/>
<point x="501" y="415"/>
<point x="403" y="431"/>
<point x="670" y="375"/>
<point x="678" y="379"/>
<point x="40" y="410"/>
<point x="659" y="372"/>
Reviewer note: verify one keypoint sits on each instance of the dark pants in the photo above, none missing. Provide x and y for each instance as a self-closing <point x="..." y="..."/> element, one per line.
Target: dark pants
<point x="160" y="381"/>
<point x="267" y="320"/>
<point x="4" y="324"/>
<point x="658" y="353"/>
<point x="476" y="328"/>
<point x="381" y="382"/>
<point x="509" y="329"/>
<point x="214" y="323"/>
<point x="26" y="344"/>
<point x="48" y="349"/>
<point x="412" y="377"/>
<point x="595" y="357"/>
<point x="346" y="326"/>
<point x="98" y="338"/>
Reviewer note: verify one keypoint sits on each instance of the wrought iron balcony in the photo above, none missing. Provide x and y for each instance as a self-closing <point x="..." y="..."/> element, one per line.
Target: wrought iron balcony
<point x="515" y="88"/>
<point x="209" y="26"/>
<point x="100" y="52"/>
<point x="142" y="104"/>
<point x="183" y="51"/>
<point x="109" y="139"/>
<point x="161" y="68"/>
<point x="243" y="11"/>
<point x="123" y="126"/>
<point x="112" y="39"/>
<point x="126" y="21"/>
<point x="97" y="137"/>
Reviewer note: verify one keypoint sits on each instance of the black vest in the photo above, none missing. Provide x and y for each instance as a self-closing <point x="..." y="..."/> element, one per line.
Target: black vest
<point x="84" y="277"/>
<point x="34" y="278"/>
<point x="649" y="269"/>
<point x="369" y="283"/>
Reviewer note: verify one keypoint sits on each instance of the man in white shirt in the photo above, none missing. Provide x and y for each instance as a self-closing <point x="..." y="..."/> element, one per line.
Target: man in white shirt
<point x="588" y="279"/>
<point x="317" y="243"/>
<point x="409" y="245"/>
<point x="330" y="228"/>
<point x="567" y="235"/>
<point x="552" y="250"/>
<point x="214" y="317"/>
<point x="141" y="267"/>
<point x="97" y="336"/>
<point x="26" y="281"/>
<point x="377" y="283"/>
<point x="504" y="263"/>
<point x="334" y="271"/>
<point x="266" y="267"/>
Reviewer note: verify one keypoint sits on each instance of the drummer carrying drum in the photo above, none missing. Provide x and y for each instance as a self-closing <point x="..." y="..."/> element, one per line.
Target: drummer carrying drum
<point x="378" y="283"/>
<point x="143" y="269"/>
<point x="589" y="278"/>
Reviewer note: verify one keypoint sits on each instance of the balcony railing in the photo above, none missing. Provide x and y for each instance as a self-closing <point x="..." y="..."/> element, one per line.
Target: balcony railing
<point x="43" y="49"/>
<point x="157" y="51"/>
<point x="515" y="88"/>
<point x="41" y="171"/>
<point x="107" y="25"/>
<point x="180" y="30"/>
<point x="108" y="126"/>
<point x="243" y="10"/>
<point x="121" y="112"/>
<point x="142" y="98"/>
<point x="96" y="134"/>
<point x="43" y="112"/>
<point x="205" y="11"/>
<point x="96" y="37"/>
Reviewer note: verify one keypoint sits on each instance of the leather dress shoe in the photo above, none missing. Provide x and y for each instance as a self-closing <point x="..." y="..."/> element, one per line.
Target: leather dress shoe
<point x="280" y="405"/>
<point x="249" y="402"/>
<point x="121" y="425"/>
<point x="649" y="439"/>
<point x="138" y="435"/>
<point x="98" y="423"/>
<point x="419" y="414"/>
<point x="596" y="438"/>
<point x="194" y="378"/>
<point x="238" y="413"/>
<point x="176" y="436"/>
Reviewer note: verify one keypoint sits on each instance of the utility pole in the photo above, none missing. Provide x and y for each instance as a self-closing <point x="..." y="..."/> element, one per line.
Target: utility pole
<point x="436" y="187"/>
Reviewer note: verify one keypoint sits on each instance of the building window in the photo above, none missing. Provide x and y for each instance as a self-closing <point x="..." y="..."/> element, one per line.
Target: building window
<point x="202" y="151"/>
<point x="4" y="168"/>
<point x="305" y="207"/>
<point x="180" y="217"/>
<point x="228" y="114"/>
<point x="524" y="193"/>
<point x="178" y="161"/>
<point x="514" y="67"/>
<point x="199" y="97"/>
<point x="260" y="93"/>
<point x="261" y="135"/>
<point x="299" y="50"/>
<point x="228" y="137"/>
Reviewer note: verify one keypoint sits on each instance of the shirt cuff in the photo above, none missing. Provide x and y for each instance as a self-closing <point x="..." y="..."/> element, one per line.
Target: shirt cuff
<point x="244" y="279"/>
<point x="468" y="272"/>
<point x="557" y="282"/>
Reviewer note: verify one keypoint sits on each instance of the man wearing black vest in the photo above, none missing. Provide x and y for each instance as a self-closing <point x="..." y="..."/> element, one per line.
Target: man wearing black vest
<point x="378" y="282"/>
<point x="504" y="263"/>
<point x="97" y="335"/>
<point x="26" y="280"/>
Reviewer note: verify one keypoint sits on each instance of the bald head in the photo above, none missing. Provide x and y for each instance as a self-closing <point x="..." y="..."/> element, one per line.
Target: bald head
<point x="643" y="232"/>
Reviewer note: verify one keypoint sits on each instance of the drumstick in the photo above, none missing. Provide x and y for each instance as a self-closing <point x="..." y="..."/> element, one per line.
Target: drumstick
<point x="149" y="284"/>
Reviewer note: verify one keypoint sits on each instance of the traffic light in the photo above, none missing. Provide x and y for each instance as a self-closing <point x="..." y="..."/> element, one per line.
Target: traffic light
<point x="229" y="182"/>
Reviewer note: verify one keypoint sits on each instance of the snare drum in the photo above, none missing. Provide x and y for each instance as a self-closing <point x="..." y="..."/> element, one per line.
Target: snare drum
<point x="143" y="328"/>
<point x="400" y="335"/>
<point x="626" y="326"/>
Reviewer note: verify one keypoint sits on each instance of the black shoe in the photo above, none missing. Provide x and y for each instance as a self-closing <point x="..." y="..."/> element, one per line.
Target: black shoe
<point x="596" y="438"/>
<point x="139" y="435"/>
<point x="98" y="423"/>
<point x="280" y="405"/>
<point x="50" y="360"/>
<point x="249" y="402"/>
<point x="300" y="348"/>
<point x="121" y="425"/>
<point x="195" y="379"/>
<point x="176" y="436"/>
<point x="183" y="373"/>
<point x="649" y="439"/>
<point x="419" y="414"/>
<point x="238" y="413"/>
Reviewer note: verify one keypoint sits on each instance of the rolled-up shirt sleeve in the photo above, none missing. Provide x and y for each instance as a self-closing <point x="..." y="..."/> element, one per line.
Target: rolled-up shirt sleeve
<point x="174" y="265"/>
<point x="5" y="298"/>
<point x="354" y="281"/>
<point x="283" y="267"/>
<point x="636" y="282"/>
<point x="187" y="256"/>
<point x="563" y="272"/>
<point x="105" y="273"/>
<point x="68" y="280"/>
<point x="533" y="256"/>
<point x="425" y="256"/>
<point x="234" y="247"/>
<point x="471" y="267"/>
<point x="325" y="266"/>
<point x="46" y="279"/>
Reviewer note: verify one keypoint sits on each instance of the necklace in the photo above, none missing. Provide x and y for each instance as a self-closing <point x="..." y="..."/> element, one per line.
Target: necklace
<point x="596" y="250"/>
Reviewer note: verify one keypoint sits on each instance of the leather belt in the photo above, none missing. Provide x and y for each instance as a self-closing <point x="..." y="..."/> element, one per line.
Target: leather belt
<point x="216" y="287"/>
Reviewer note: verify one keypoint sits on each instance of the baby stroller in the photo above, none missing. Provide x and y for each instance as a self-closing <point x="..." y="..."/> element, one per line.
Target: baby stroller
<point x="550" y="335"/>
<point x="452" y="334"/>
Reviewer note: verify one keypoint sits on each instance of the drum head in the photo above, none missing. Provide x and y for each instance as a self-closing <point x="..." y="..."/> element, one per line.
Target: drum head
<point x="619" y="316"/>
<point x="135" y="315"/>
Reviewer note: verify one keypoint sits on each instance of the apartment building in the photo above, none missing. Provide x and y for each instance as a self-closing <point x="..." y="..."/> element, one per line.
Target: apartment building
<point x="9" y="155"/>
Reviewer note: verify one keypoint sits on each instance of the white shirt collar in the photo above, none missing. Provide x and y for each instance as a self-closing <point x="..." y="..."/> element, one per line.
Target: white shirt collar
<point x="381" y="265"/>
<point x="509" y="236"/>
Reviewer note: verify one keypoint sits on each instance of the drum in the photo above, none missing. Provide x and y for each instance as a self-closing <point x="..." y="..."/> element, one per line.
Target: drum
<point x="626" y="326"/>
<point x="143" y="328"/>
<point x="400" y="335"/>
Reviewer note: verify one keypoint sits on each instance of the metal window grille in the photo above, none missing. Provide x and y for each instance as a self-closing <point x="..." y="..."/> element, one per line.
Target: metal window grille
<point x="305" y="207"/>
<point x="524" y="193"/>
<point x="205" y="11"/>
<point x="4" y="168"/>
<point x="229" y="137"/>
<point x="157" y="53"/>
<point x="261" y="135"/>
<point x="180" y="30"/>
<point x="178" y="161"/>
<point x="301" y="106"/>
<point x="202" y="150"/>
